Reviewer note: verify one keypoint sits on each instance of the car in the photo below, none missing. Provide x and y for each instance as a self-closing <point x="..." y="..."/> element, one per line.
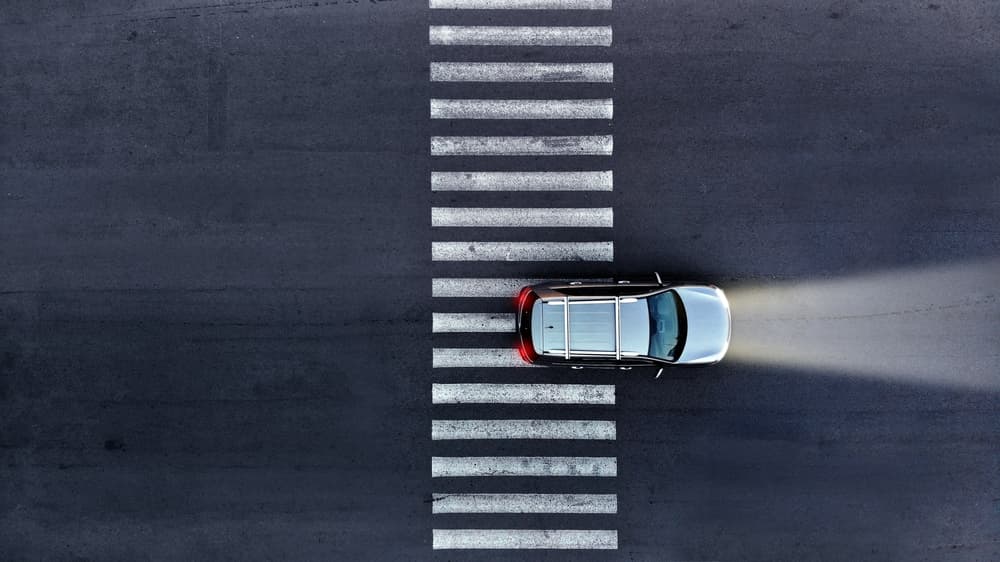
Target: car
<point x="623" y="324"/>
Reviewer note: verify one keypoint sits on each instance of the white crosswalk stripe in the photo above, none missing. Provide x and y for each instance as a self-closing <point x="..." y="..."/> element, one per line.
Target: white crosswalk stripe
<point x="520" y="4"/>
<point x="479" y="287"/>
<point x="443" y="430"/>
<point x="450" y="322"/>
<point x="525" y="503"/>
<point x="522" y="109"/>
<point x="470" y="287"/>
<point x="471" y="393"/>
<point x="597" y="217"/>
<point x="571" y="145"/>
<point x="445" y="358"/>
<point x="522" y="72"/>
<point x="523" y="251"/>
<point x="547" y="36"/>
<point x="459" y="467"/>
<point x="524" y="538"/>
<point x="522" y="181"/>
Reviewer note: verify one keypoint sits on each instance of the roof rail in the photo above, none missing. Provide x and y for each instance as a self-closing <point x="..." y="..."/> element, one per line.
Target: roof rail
<point x="567" y="350"/>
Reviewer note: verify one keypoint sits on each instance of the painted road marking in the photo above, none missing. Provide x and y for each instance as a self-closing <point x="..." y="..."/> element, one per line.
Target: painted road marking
<point x="522" y="72"/>
<point x="444" y="430"/>
<point x="586" y="394"/>
<point x="544" y="36"/>
<point x="525" y="503"/>
<point x="523" y="217"/>
<point x="522" y="181"/>
<point x="466" y="357"/>
<point x="522" y="109"/>
<point x="574" y="145"/>
<point x="459" y="467"/>
<point x="486" y="287"/>
<point x="558" y="437"/>
<point x="524" y="538"/>
<point x="523" y="251"/>
<point x="521" y="4"/>
<point x="451" y="322"/>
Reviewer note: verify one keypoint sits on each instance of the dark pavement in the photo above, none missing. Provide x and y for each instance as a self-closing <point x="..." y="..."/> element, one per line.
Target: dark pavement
<point x="214" y="277"/>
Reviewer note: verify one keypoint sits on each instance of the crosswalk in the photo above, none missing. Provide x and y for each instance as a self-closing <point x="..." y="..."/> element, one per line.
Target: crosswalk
<point x="549" y="435"/>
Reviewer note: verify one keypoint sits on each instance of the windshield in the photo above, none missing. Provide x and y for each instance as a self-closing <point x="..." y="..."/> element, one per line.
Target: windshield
<point x="666" y="326"/>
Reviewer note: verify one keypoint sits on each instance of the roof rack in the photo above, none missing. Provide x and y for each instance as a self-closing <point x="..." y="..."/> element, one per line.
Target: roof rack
<point x="567" y="351"/>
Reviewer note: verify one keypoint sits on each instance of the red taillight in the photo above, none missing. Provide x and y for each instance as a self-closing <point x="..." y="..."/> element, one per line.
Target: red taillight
<point x="523" y="351"/>
<point x="520" y="298"/>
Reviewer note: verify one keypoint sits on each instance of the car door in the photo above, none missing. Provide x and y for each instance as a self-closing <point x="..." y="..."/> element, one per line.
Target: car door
<point x="626" y="364"/>
<point x="607" y="290"/>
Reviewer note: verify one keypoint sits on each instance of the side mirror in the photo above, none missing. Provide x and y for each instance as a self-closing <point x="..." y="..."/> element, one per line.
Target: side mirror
<point x="660" y="372"/>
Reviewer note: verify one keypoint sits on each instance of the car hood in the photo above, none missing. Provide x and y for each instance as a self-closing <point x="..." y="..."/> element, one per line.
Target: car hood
<point x="708" y="324"/>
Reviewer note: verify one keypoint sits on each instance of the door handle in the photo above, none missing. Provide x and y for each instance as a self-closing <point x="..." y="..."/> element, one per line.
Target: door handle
<point x="625" y="368"/>
<point x="575" y="367"/>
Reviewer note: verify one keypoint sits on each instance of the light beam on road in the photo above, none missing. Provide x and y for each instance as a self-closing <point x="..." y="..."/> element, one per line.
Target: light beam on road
<point x="938" y="325"/>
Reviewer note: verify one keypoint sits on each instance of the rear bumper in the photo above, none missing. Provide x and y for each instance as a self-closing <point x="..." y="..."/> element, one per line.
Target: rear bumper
<point x="525" y="346"/>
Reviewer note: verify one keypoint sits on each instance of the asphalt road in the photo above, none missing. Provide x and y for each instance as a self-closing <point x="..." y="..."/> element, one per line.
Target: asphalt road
<point x="215" y="316"/>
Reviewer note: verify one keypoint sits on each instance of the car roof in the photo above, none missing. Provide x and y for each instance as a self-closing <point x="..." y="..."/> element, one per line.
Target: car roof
<point x="603" y="327"/>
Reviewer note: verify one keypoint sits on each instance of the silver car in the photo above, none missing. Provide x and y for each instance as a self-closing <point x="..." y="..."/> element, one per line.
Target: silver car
<point x="623" y="324"/>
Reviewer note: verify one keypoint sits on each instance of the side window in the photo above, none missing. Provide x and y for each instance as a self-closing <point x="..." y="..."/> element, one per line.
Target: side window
<point x="624" y="289"/>
<point x="595" y="362"/>
<point x="628" y="289"/>
<point x="642" y="279"/>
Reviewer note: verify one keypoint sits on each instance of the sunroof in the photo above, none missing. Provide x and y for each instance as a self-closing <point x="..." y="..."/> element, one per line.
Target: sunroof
<point x="591" y="326"/>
